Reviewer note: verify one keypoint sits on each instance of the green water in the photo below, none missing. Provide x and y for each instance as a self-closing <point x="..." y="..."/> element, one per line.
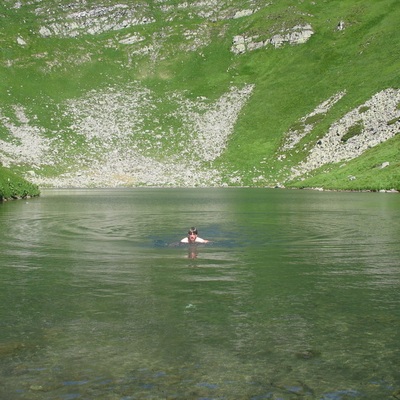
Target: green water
<point x="297" y="297"/>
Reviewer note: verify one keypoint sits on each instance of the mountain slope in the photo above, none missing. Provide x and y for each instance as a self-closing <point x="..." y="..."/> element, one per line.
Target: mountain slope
<point x="205" y="93"/>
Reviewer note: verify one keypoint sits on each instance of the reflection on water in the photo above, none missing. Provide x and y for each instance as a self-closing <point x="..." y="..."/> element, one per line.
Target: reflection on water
<point x="296" y="297"/>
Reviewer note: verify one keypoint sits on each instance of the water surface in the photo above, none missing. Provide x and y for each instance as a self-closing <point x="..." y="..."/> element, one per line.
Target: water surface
<point x="296" y="297"/>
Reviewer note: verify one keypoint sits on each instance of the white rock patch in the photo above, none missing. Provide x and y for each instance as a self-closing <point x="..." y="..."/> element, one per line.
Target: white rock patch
<point x="109" y="142"/>
<point x="378" y="118"/>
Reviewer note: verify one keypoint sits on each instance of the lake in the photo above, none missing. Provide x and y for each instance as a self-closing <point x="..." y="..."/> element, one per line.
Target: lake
<point x="296" y="297"/>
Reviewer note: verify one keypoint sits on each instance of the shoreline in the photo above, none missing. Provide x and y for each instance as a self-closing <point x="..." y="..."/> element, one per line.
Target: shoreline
<point x="317" y="189"/>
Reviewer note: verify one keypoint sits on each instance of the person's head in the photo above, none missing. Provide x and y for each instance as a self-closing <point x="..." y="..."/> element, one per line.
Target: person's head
<point x="192" y="234"/>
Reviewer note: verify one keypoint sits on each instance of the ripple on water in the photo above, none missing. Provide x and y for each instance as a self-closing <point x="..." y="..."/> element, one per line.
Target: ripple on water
<point x="102" y="295"/>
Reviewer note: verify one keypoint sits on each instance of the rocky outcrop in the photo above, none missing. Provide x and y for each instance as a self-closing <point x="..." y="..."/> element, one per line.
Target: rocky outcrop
<point x="378" y="120"/>
<point x="306" y="124"/>
<point x="76" y="20"/>
<point x="298" y="34"/>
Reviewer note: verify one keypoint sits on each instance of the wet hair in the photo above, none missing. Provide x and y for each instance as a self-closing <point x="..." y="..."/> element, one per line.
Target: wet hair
<point x="192" y="230"/>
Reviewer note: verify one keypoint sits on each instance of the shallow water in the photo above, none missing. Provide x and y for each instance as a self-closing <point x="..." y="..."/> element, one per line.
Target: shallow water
<point x="296" y="297"/>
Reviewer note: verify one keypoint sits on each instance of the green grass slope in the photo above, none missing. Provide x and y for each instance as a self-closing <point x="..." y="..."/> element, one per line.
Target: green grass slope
<point x="14" y="187"/>
<point x="111" y="89"/>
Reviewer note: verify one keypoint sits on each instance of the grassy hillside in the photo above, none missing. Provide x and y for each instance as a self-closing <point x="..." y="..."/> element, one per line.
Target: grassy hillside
<point x="156" y="93"/>
<point x="14" y="187"/>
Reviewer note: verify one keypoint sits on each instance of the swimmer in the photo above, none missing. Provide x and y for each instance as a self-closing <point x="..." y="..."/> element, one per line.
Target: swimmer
<point x="193" y="238"/>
